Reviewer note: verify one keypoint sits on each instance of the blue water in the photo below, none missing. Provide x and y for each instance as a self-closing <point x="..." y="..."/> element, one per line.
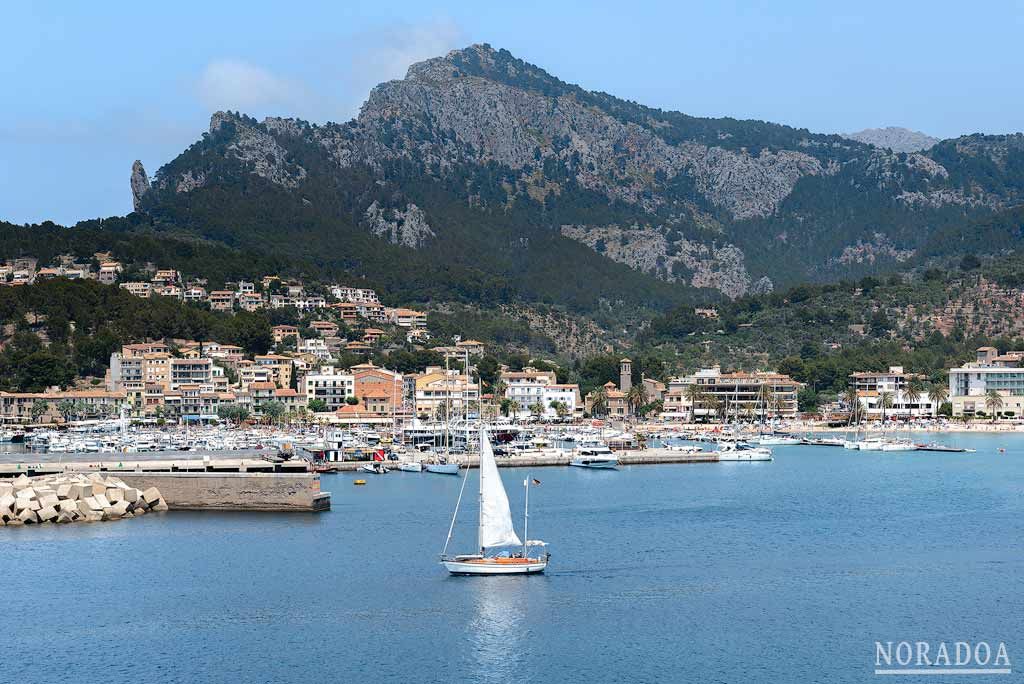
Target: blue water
<point x="748" y="572"/>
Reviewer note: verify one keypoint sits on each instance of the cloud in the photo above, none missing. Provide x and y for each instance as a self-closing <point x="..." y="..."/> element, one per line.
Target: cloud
<point x="237" y="84"/>
<point x="385" y="54"/>
<point x="337" y="74"/>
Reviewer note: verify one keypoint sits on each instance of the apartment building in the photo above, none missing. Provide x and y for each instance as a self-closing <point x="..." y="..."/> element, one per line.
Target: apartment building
<point x="329" y="385"/>
<point x="971" y="383"/>
<point x="873" y="387"/>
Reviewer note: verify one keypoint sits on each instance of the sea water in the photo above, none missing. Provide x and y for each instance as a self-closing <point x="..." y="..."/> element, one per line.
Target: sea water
<point x="787" y="571"/>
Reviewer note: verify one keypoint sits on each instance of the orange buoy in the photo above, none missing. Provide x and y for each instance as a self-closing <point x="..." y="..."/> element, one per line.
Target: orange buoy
<point x="359" y="482"/>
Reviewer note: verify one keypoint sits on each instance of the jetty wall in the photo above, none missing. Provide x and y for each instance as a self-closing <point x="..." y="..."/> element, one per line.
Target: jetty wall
<point x="235" y="491"/>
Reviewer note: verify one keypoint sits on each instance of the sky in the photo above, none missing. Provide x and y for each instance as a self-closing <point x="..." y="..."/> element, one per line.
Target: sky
<point x="90" y="87"/>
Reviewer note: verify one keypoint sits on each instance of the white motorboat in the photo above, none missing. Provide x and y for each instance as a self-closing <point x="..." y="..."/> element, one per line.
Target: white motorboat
<point x="743" y="453"/>
<point x="411" y="467"/>
<point x="495" y="529"/>
<point x="377" y="468"/>
<point x="778" y="440"/>
<point x="595" y="462"/>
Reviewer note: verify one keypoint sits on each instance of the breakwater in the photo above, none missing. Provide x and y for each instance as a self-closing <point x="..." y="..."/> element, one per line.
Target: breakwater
<point x="74" y="498"/>
<point x="203" y="484"/>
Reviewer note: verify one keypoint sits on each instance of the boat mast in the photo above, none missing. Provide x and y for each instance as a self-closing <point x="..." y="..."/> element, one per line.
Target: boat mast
<point x="480" y="500"/>
<point x="526" y="515"/>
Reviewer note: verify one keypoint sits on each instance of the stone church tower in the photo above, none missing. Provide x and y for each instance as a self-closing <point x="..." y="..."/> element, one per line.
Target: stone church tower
<point x="625" y="375"/>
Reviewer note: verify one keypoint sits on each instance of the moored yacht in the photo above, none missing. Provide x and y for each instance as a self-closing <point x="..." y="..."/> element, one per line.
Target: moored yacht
<point x="737" y="451"/>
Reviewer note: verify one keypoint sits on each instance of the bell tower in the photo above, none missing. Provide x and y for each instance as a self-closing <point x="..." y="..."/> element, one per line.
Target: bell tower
<point x="625" y="375"/>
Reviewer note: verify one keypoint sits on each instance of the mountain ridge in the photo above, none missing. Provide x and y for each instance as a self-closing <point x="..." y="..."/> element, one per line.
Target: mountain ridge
<point x="475" y="154"/>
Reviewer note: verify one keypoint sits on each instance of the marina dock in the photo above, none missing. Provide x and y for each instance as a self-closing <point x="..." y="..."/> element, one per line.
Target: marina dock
<point x="554" y="457"/>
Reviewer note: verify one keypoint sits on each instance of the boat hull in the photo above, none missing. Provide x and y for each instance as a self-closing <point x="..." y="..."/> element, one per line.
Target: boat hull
<point x="496" y="566"/>
<point x="595" y="463"/>
<point x="744" y="456"/>
<point x="442" y="468"/>
<point x="411" y="467"/>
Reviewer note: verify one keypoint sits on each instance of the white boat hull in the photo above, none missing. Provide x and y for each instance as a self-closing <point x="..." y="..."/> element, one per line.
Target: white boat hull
<point x="745" y="455"/>
<point x="778" y="441"/>
<point x="443" y="468"/>
<point x="411" y="467"/>
<point x="596" y="463"/>
<point x="493" y="567"/>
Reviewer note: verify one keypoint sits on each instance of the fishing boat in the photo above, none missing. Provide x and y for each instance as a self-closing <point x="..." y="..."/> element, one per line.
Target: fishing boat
<point x="495" y="530"/>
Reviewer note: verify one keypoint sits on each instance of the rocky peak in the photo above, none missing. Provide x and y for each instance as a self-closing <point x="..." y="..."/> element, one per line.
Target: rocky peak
<point x="894" y="138"/>
<point x="139" y="184"/>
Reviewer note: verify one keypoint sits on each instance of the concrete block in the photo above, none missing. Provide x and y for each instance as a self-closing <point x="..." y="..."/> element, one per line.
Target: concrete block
<point x="131" y="495"/>
<point x="68" y="505"/>
<point x="81" y="490"/>
<point x="27" y="516"/>
<point x="47" y="514"/>
<point x="64" y="490"/>
<point x="26" y="493"/>
<point x="21" y="482"/>
<point x="48" y="500"/>
<point x="34" y="505"/>
<point x="94" y="516"/>
<point x="89" y="504"/>
<point x="7" y="502"/>
<point x="139" y="510"/>
<point x="110" y="513"/>
<point x="6" y="488"/>
<point x="99" y="488"/>
<point x="13" y="522"/>
<point x="114" y="494"/>
<point x="101" y="501"/>
<point x="65" y="517"/>
<point x="159" y="506"/>
<point x="151" y="495"/>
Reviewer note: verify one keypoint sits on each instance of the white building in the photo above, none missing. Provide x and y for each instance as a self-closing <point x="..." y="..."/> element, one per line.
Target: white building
<point x="315" y="346"/>
<point x="970" y="384"/>
<point x="894" y="383"/>
<point x="329" y="385"/>
<point x="530" y="386"/>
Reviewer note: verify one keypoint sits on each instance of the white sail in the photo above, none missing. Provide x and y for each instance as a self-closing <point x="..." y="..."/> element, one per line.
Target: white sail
<point x="495" y="517"/>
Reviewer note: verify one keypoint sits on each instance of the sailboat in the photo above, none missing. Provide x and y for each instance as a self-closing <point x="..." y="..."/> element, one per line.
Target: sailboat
<point x="495" y="529"/>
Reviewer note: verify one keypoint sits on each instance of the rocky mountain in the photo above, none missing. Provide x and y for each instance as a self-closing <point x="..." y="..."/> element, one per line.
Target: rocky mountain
<point x="894" y="138"/>
<point x="504" y="182"/>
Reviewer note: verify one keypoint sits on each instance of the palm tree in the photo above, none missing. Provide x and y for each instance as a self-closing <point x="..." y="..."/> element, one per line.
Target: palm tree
<point x="852" y="400"/>
<point x="912" y="394"/>
<point x="599" y="402"/>
<point x="513" y="408"/>
<point x="498" y="391"/>
<point x="636" y="397"/>
<point x="696" y="396"/>
<point x="561" y="410"/>
<point x="764" y="398"/>
<point x="937" y="395"/>
<point x="884" y="402"/>
<point x="715" y="404"/>
<point x="993" y="402"/>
